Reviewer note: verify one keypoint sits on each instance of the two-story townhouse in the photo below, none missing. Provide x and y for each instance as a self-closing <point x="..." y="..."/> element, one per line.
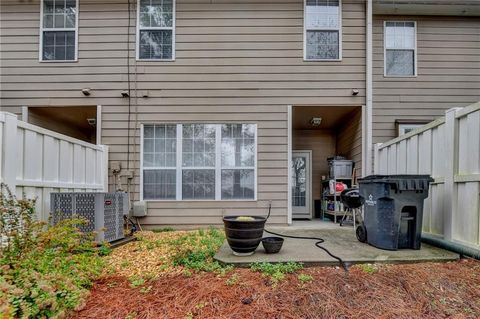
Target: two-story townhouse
<point x="207" y="104"/>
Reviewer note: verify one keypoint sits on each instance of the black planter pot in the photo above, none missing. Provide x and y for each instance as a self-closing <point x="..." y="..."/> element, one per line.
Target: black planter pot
<point x="244" y="236"/>
<point x="272" y="245"/>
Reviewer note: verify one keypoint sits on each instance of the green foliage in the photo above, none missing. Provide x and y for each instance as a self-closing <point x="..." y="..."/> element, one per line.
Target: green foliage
<point x="104" y="249"/>
<point x="45" y="270"/>
<point x="368" y="268"/>
<point x="196" y="250"/>
<point x="276" y="272"/>
<point x="136" y="281"/>
<point x="304" y="278"/>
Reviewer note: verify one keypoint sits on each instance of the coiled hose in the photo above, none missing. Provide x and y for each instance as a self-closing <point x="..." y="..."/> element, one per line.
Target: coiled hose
<point x="318" y="242"/>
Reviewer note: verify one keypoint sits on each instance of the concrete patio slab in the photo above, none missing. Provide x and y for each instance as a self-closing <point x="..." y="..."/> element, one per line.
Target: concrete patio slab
<point x="340" y="241"/>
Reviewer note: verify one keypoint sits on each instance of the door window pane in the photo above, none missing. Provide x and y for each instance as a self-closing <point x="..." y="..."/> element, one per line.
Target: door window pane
<point x="299" y="181"/>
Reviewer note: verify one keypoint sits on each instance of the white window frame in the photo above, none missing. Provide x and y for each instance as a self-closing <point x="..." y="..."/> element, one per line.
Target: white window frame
<point x="385" y="50"/>
<point x="218" y="166"/>
<point x="339" y="29"/>
<point x="172" y="28"/>
<point x="403" y="127"/>
<point x="42" y="29"/>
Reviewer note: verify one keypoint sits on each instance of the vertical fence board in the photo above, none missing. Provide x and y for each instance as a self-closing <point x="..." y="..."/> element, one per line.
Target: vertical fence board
<point x="412" y="155"/>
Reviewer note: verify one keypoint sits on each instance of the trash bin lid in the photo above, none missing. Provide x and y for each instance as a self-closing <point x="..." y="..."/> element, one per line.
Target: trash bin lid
<point x="401" y="182"/>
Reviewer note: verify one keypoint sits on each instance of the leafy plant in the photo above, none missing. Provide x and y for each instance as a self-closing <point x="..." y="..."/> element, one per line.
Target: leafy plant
<point x="45" y="270"/>
<point x="368" y="268"/>
<point x="136" y="281"/>
<point x="104" y="249"/>
<point x="276" y="272"/>
<point x="304" y="278"/>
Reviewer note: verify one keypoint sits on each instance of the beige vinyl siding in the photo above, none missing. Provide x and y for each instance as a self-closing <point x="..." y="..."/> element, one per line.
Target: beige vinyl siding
<point x="236" y="61"/>
<point x="448" y="55"/>
<point x="349" y="139"/>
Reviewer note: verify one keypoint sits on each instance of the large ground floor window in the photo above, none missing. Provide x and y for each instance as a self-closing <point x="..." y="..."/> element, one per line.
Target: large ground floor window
<point x="199" y="161"/>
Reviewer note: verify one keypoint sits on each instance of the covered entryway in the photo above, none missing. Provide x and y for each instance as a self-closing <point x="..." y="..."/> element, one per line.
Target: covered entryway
<point x="80" y="122"/>
<point x="320" y="133"/>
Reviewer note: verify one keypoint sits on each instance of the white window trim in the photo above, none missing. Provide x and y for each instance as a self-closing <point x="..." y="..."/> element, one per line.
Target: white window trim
<point x="406" y="126"/>
<point x="339" y="29"/>
<point x="172" y="28"/>
<point x="218" y="167"/>
<point x="385" y="51"/>
<point x="40" y="49"/>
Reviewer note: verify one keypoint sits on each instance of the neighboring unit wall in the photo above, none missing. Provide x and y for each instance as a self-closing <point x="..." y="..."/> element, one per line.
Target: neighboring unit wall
<point x="239" y="61"/>
<point x="349" y="139"/>
<point x="322" y="145"/>
<point x="448" y="55"/>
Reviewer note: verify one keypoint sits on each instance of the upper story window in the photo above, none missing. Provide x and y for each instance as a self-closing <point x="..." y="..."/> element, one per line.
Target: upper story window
<point x="400" y="49"/>
<point x="156" y="30"/>
<point x="322" y="30"/>
<point x="58" y="30"/>
<point x="199" y="162"/>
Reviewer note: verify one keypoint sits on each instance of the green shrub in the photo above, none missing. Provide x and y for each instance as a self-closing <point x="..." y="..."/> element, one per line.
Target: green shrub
<point x="276" y="272"/>
<point x="45" y="270"/>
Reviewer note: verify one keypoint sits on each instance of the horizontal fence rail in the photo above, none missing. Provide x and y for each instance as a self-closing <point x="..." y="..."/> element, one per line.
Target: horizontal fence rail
<point x="35" y="162"/>
<point x="447" y="149"/>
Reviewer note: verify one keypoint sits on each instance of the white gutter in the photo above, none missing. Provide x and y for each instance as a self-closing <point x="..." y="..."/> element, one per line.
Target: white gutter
<point x="367" y="126"/>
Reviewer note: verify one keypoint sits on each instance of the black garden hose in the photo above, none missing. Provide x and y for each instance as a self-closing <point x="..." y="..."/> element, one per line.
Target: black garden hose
<point x="318" y="242"/>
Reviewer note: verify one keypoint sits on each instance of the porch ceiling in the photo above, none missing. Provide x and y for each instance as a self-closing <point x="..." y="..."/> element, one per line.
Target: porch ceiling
<point x="332" y="116"/>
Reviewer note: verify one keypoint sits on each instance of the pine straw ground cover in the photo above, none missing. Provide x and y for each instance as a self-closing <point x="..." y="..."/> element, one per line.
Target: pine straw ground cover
<point x="183" y="282"/>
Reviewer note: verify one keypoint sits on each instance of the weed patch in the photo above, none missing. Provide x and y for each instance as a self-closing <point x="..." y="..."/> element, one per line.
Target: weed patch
<point x="368" y="268"/>
<point x="276" y="272"/>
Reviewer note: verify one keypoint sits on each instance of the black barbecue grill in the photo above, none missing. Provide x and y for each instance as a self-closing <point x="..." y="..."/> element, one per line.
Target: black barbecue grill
<point x="352" y="202"/>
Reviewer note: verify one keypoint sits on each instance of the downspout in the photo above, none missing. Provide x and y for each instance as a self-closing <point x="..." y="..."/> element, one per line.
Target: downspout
<point x="367" y="126"/>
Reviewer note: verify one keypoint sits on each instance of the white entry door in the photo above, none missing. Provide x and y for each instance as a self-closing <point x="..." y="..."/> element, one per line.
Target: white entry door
<point x="301" y="184"/>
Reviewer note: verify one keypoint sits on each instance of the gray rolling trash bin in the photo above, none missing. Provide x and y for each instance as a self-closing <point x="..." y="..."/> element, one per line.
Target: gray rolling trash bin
<point x="393" y="210"/>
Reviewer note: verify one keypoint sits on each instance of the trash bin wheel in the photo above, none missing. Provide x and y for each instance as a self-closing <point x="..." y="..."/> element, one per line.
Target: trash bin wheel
<point x="361" y="233"/>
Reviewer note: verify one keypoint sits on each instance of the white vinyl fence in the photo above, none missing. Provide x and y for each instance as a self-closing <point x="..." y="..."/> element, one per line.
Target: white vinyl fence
<point x="35" y="162"/>
<point x="448" y="149"/>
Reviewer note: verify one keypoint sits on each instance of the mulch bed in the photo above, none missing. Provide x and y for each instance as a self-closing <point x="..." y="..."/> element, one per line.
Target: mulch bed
<point x="428" y="290"/>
